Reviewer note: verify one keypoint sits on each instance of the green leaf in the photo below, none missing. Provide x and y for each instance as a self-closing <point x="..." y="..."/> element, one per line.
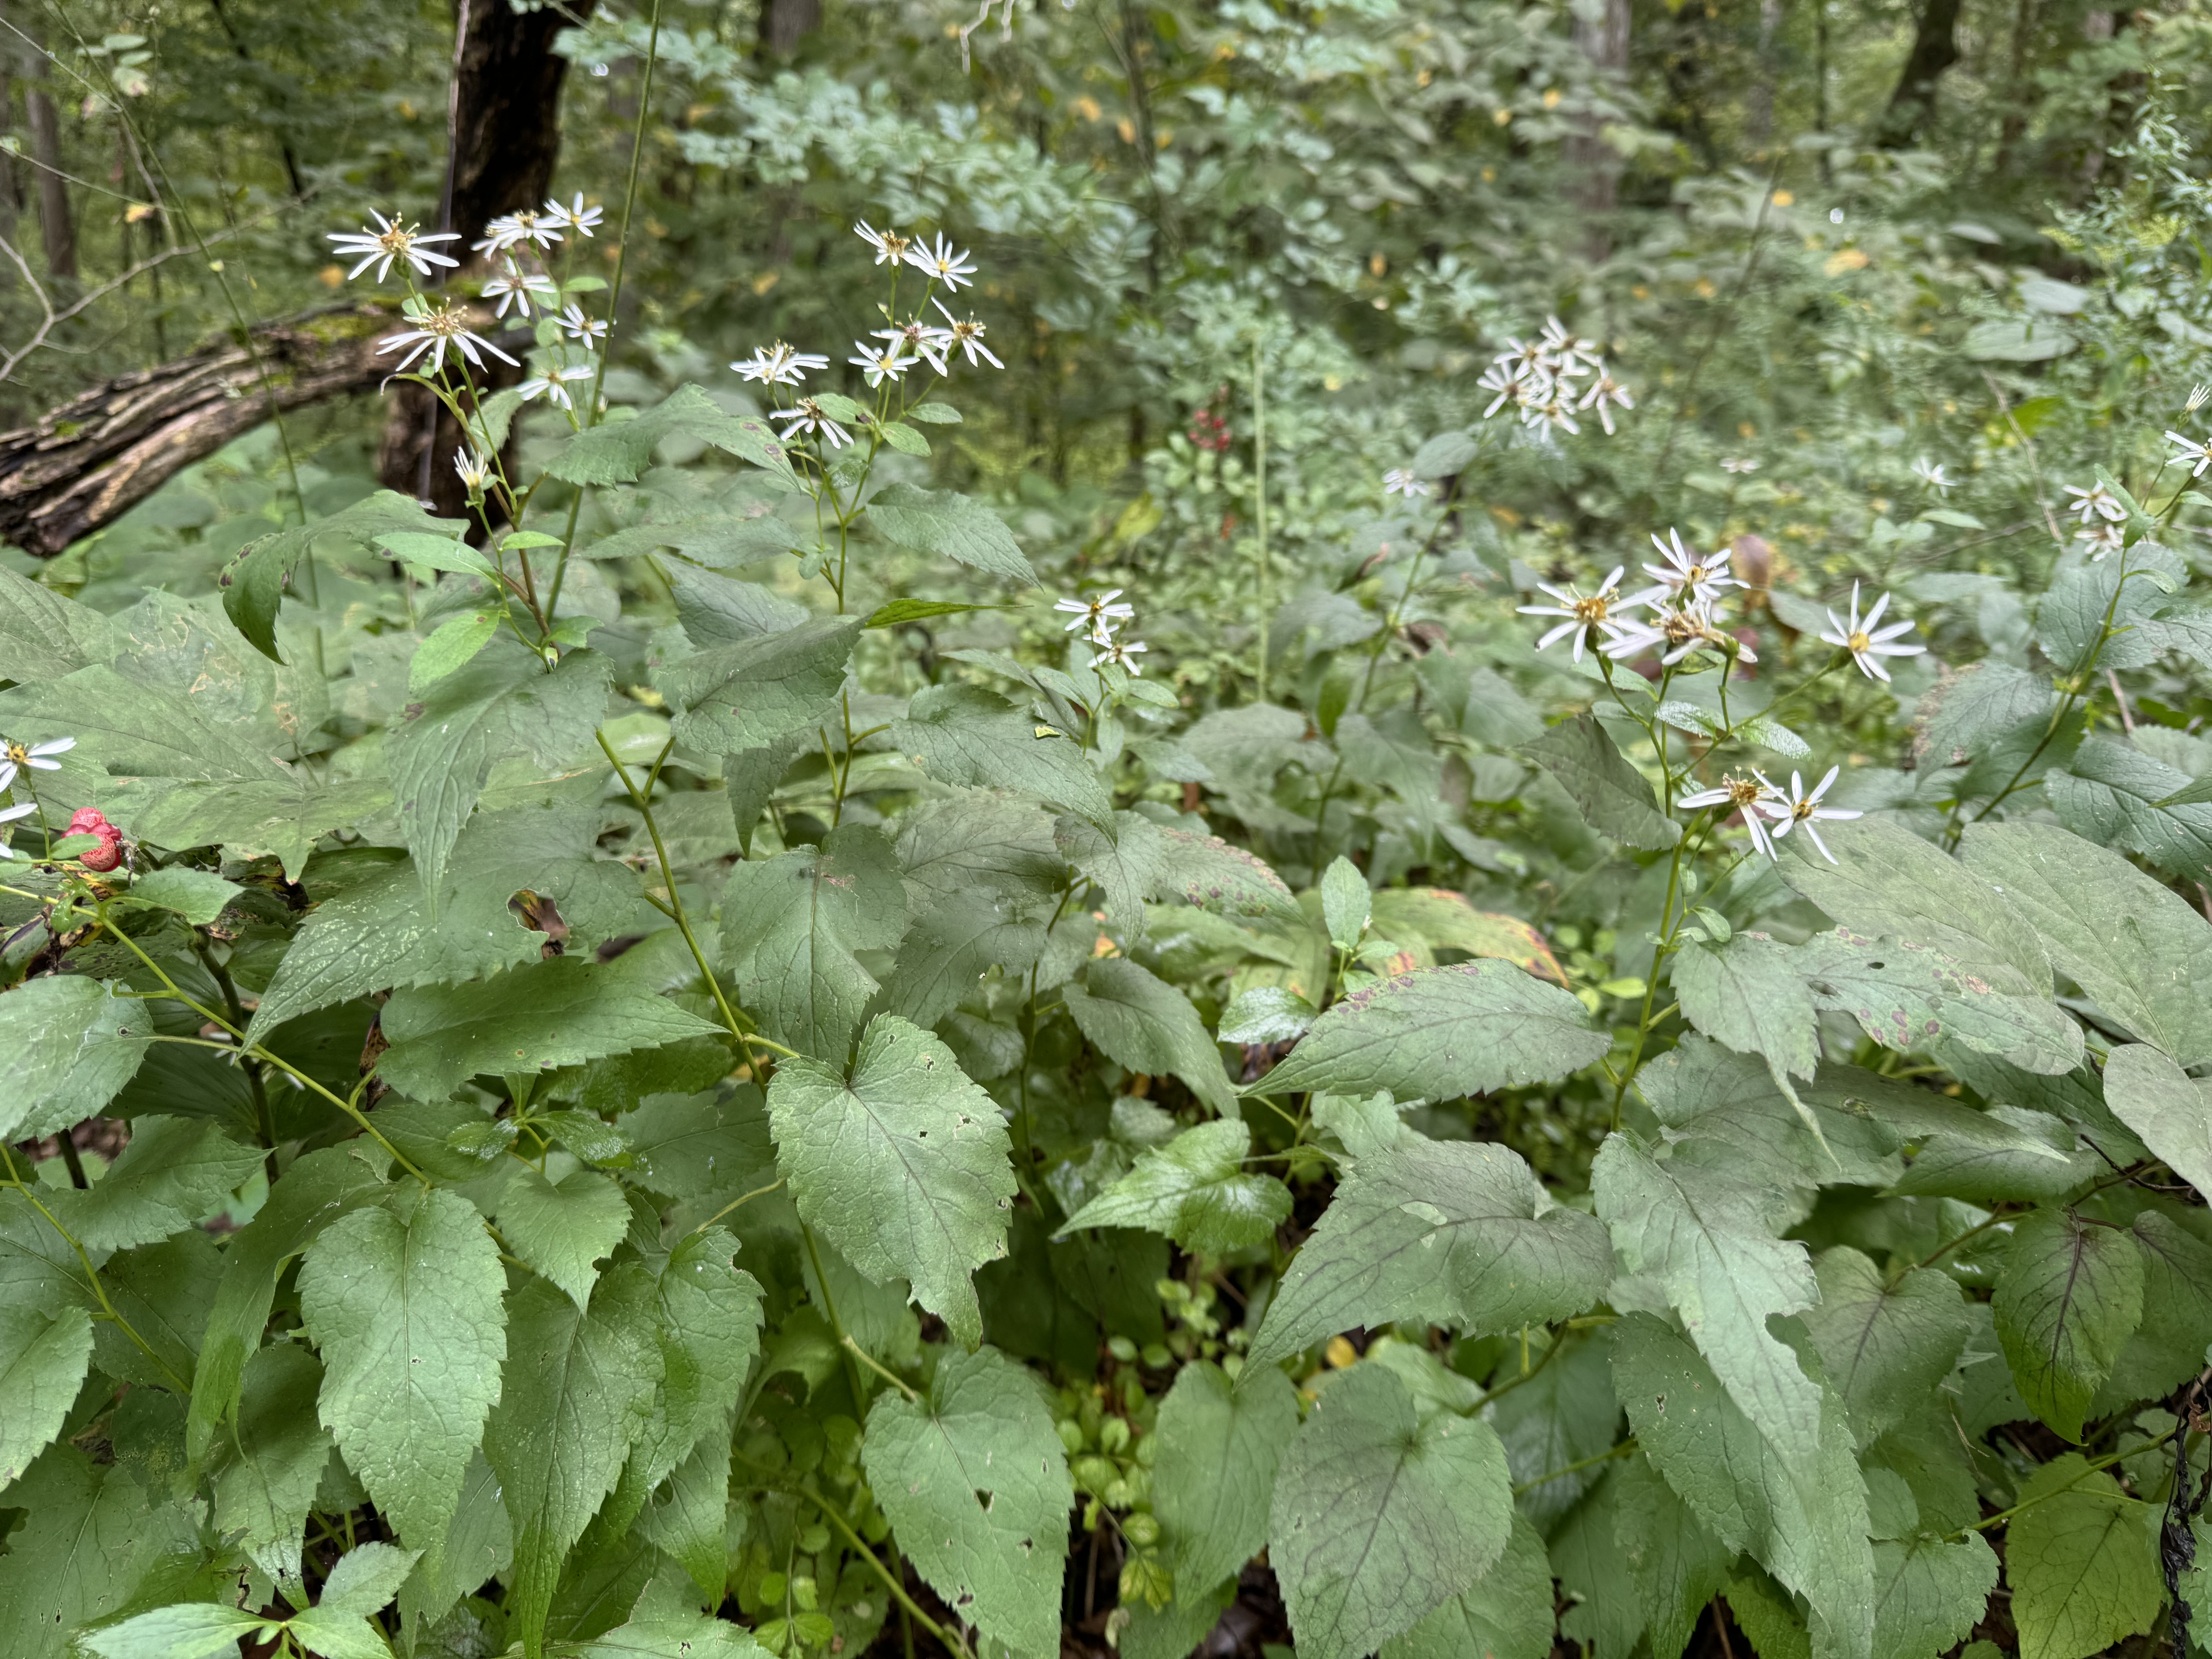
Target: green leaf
<point x="252" y="817"/>
<point x="503" y="702"/>
<point x="264" y="1490"/>
<point x="696" y="1636"/>
<point x="535" y="1018"/>
<point x="1799" y="1509"/>
<point x="479" y="1544"/>
<point x="1887" y="1347"/>
<point x="947" y="523"/>
<point x="895" y="612"/>
<point x="87" y="1539"/>
<point x="1444" y="921"/>
<point x="962" y="734"/>
<point x="2168" y="1347"/>
<point x="1504" y="1615"/>
<point x="2117" y="796"/>
<point x="1345" y="904"/>
<point x="1929" y="1595"/>
<point x="2083" y="1561"/>
<point x="2070" y="617"/>
<point x="691" y="1148"/>
<point x="1676" y="1562"/>
<point x="437" y="553"/>
<point x="561" y="1230"/>
<point x="2068" y="1296"/>
<point x="1213" y="1479"/>
<point x="1908" y="998"/>
<point x="1267" y="1013"/>
<point x="2047" y="1167"/>
<point x="2170" y="1110"/>
<point x="688" y="1515"/>
<point x="1711" y="1244"/>
<point x="1442" y="455"/>
<point x="452" y="646"/>
<point x="1142" y="1023"/>
<point x="1194" y="1190"/>
<point x="617" y="452"/>
<point x="1439" y="1033"/>
<point x="903" y="1164"/>
<point x="68" y="1044"/>
<point x="1379" y="1519"/>
<point x="934" y="414"/>
<point x="45" y="634"/>
<point x="2016" y="340"/>
<point x="254" y="584"/>
<point x="43" y="1357"/>
<point x="174" y="1173"/>
<point x="193" y="1629"/>
<point x="791" y="926"/>
<point x="403" y="1299"/>
<point x="1615" y="797"/>
<point x="365" y="1579"/>
<point x="198" y="896"/>
<point x="974" y="1480"/>
<point x="1744" y="994"/>
<point x="1211" y="874"/>
<point x="903" y="438"/>
<point x="579" y="1388"/>
<point x="1125" y="865"/>
<point x="1444" y="1232"/>
<point x="758" y="690"/>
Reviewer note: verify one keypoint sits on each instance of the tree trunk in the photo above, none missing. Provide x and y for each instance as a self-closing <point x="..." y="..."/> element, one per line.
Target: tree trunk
<point x="1601" y="32"/>
<point x="785" y="23"/>
<point x="56" y="226"/>
<point x="1760" y="123"/>
<point x="1935" y="49"/>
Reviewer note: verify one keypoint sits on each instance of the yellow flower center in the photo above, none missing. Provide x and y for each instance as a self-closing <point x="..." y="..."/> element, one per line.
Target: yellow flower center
<point x="1593" y="608"/>
<point x="1861" y="640"/>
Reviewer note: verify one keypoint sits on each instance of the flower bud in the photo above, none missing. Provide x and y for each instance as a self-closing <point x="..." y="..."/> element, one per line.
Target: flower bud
<point x="88" y="821"/>
<point x="106" y="856"/>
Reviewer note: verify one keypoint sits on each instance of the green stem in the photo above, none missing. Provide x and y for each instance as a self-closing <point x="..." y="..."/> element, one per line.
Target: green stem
<point x="1260" y="483"/>
<point x="737" y="1204"/>
<point x="898" y="1590"/>
<point x="2089" y="1469"/>
<point x="889" y="1376"/>
<point x="1623" y="1450"/>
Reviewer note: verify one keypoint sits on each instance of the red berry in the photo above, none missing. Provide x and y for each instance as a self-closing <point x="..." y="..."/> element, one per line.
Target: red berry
<point x="107" y="855"/>
<point x="88" y="821"/>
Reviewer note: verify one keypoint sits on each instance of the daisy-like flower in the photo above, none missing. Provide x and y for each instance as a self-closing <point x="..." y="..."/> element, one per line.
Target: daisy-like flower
<point x="1569" y="354"/>
<point x="392" y="241"/>
<point x="473" y="468"/>
<point x="575" y="217"/>
<point x="806" y="417"/>
<point x="1932" y="475"/>
<point x="968" y="337"/>
<point x="1098" y="614"/>
<point x="891" y="247"/>
<point x="1504" y="378"/>
<point x="8" y="815"/>
<point x="2093" y="503"/>
<point x="941" y="264"/>
<point x="1867" y="644"/>
<point x="1399" y="482"/>
<point x="1605" y="394"/>
<point x="880" y="366"/>
<point x="1586" y="613"/>
<point x="1739" y="463"/>
<point x="778" y="365"/>
<point x="1549" y="413"/>
<point x="1805" y="809"/>
<point x="2199" y="395"/>
<point x="39" y="756"/>
<point x="1686" y="626"/>
<point x="1690" y="576"/>
<point x="1122" y="653"/>
<point x="435" y="328"/>
<point x="2102" y="539"/>
<point x="554" y="383"/>
<point x="513" y="229"/>
<point x="586" y="331"/>
<point x="925" y="341"/>
<point x="519" y="289"/>
<point x="1744" y="795"/>
<point x="2193" y="455"/>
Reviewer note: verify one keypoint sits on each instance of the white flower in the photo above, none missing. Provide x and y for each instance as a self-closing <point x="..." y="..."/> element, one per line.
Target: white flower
<point x="925" y="341"/>
<point x="1399" y="482"/>
<point x="512" y="229"/>
<point x="586" y="331"/>
<point x="575" y="217"/>
<point x="392" y="241"/>
<point x="1121" y="654"/>
<point x="2199" y="395"/>
<point x="1690" y="624"/>
<point x="1584" y="613"/>
<point x="473" y="468"/>
<point x="1746" y="795"/>
<point x="969" y="337"/>
<point x="1932" y="475"/>
<point x="553" y="385"/>
<point x="517" y="288"/>
<point x="1688" y="575"/>
<point x="779" y="365"/>
<point x="2195" y="456"/>
<point x="806" y="416"/>
<point x="1801" y="808"/>
<point x="1504" y="377"/>
<point x="891" y="247"/>
<point x="2102" y="540"/>
<point x="435" y="328"/>
<point x="1739" y="463"/>
<point x="881" y="365"/>
<point x="1548" y="412"/>
<point x="940" y="264"/>
<point x="2095" y="502"/>
<point x="1867" y="644"/>
<point x="1569" y="355"/>
<point x="1604" y="393"/>
<point x="8" y="815"/>
<point x="39" y="756"/>
<point x="1098" y="614"/>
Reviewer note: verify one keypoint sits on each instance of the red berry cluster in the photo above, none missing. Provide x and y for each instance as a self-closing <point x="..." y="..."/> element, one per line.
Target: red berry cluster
<point x="1209" y="429"/>
<point x="90" y="821"/>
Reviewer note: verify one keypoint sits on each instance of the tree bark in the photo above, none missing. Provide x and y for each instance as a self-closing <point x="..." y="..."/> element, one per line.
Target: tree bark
<point x="1935" y="49"/>
<point x="785" y="23"/>
<point x="56" y="226"/>
<point x="1601" y="32"/>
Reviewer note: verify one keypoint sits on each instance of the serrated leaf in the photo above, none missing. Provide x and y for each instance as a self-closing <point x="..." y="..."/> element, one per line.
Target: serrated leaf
<point x="1929" y="1595"/>
<point x="903" y="1164"/>
<point x="2134" y="945"/>
<point x="264" y="1490"/>
<point x="1379" y="1519"/>
<point x="1744" y="994"/>
<point x="174" y="1173"/>
<point x="2069" y="1296"/>
<point x="710" y="1320"/>
<point x="1265" y="1014"/>
<point x="1345" y="904"/>
<point x="451" y="645"/>
<point x="617" y="452"/>
<point x="903" y="438"/>
<point x="1615" y="798"/>
<point x="895" y="612"/>
<point x="427" y="552"/>
<point x="1908" y="998"/>
<point x="696" y="1636"/>
<point x="254" y="818"/>
<point x="1504" y="1615"/>
<point x="535" y="1018"/>
<point x="947" y="523"/>
<point x="579" y="1388"/>
<point x="974" y="1480"/>
<point x="402" y="1298"/>
<point x="1214" y="1479"/>
<point x="2171" y="1111"/>
<point x="758" y="690"/>
<point x="2083" y="1562"/>
<point x="1442" y="455"/>
<point x="254" y="583"/>
<point x="1439" y="1033"/>
<point x="2117" y="796"/>
<point x="1194" y="1190"/>
<point x="1676" y="1562"/>
<point x="1444" y="921"/>
<point x="1141" y="1021"/>
<point x="43" y="1357"/>
<point x="791" y="925"/>
<point x="1710" y="1242"/>
<point x="198" y="896"/>
<point x="88" y="1540"/>
<point x="68" y="1045"/>
<point x="45" y="634"/>
<point x="964" y="735"/>
<point x="1446" y="1232"/>
<point x="189" y="1629"/>
<point x="1885" y="1347"/>
<point x="2168" y="1347"/>
<point x="1211" y="874"/>
<point x="561" y="1230"/>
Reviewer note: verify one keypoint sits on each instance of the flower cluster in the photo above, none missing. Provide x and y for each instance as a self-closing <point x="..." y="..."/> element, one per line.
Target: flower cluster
<point x="1541" y="378"/>
<point x="1683" y="604"/>
<point x="1100" y="616"/>
<point x="2101" y="516"/>
<point x="1208" y="429"/>
<point x="1763" y="804"/>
